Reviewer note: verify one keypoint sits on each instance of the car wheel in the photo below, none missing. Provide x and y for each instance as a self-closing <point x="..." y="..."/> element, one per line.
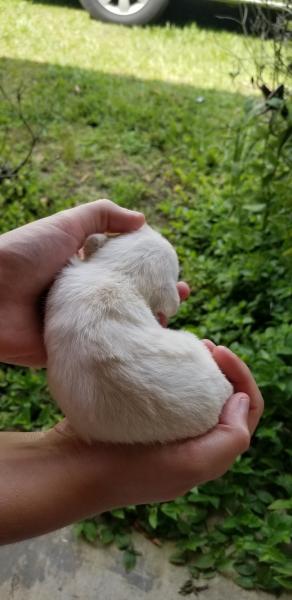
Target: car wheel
<point x="125" y="12"/>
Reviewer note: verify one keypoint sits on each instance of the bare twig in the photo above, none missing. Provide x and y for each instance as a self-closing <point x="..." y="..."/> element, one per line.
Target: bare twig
<point x="7" y="172"/>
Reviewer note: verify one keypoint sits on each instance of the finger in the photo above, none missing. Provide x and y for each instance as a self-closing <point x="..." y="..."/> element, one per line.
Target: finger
<point x="213" y="453"/>
<point x="238" y="373"/>
<point x="98" y="217"/>
<point x="64" y="429"/>
<point x="210" y="345"/>
<point x="183" y="290"/>
<point x="235" y="412"/>
<point x="162" y="320"/>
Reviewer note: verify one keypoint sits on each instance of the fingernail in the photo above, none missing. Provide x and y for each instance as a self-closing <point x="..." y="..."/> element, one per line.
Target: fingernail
<point x="135" y="212"/>
<point x="243" y="402"/>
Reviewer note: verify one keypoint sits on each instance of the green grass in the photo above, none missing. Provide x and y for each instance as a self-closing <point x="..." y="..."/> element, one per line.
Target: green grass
<point x="110" y="104"/>
<point x="53" y="34"/>
<point x="152" y="119"/>
<point x="114" y="108"/>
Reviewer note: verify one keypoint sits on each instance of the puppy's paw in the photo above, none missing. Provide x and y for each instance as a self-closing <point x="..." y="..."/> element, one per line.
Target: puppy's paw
<point x="93" y="243"/>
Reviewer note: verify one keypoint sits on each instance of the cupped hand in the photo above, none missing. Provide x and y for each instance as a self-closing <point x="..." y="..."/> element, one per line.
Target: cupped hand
<point x="134" y="474"/>
<point x="238" y="373"/>
<point x="30" y="258"/>
<point x="51" y="479"/>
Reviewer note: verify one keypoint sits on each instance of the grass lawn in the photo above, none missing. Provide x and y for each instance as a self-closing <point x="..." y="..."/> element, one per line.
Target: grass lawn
<point x="50" y="33"/>
<point x="117" y="110"/>
<point x="154" y="119"/>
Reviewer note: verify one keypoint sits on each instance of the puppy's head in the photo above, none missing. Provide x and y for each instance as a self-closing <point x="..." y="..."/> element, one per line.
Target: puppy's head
<point x="154" y="266"/>
<point x="147" y="258"/>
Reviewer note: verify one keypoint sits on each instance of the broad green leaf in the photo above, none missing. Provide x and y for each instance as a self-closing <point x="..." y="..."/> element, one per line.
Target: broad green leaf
<point x="129" y="560"/>
<point x="119" y="513"/>
<point x="285" y="582"/>
<point x="105" y="534"/>
<point x="245" y="582"/>
<point x="281" y="505"/>
<point x="205" y="561"/>
<point x="285" y="569"/>
<point x="153" y="516"/>
<point x="89" y="531"/>
<point x="123" y="540"/>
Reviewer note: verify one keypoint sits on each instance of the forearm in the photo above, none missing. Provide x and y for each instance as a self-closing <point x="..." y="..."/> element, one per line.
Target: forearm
<point x="46" y="484"/>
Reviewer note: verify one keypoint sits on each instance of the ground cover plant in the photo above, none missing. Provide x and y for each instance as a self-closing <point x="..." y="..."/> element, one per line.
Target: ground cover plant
<point x="211" y="165"/>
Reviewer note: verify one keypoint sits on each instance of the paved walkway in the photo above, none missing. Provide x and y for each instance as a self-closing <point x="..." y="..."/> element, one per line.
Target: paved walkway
<point x="57" y="566"/>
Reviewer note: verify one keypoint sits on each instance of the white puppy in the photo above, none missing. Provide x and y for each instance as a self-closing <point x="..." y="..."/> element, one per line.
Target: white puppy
<point x="113" y="370"/>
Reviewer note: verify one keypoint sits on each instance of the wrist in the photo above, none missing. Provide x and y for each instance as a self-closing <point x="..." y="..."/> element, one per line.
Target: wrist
<point x="47" y="481"/>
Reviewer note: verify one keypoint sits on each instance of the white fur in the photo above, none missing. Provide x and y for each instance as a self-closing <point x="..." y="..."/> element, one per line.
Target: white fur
<point x="114" y="371"/>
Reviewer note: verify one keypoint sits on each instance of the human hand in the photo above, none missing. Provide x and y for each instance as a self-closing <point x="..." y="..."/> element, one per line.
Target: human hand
<point x="139" y="474"/>
<point x="30" y="258"/>
<point x="241" y="378"/>
<point x="51" y="479"/>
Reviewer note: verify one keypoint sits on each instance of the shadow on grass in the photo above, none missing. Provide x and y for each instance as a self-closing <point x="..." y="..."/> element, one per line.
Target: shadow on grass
<point x="208" y="14"/>
<point x="116" y="136"/>
<point x="68" y="3"/>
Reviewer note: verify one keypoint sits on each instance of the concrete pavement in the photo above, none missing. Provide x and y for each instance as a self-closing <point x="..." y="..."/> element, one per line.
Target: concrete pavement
<point x="57" y="566"/>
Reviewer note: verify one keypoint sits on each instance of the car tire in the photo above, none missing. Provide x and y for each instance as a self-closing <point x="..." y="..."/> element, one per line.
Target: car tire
<point x="111" y="13"/>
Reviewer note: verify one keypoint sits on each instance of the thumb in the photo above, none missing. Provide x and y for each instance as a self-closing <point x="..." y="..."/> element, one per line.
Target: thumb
<point x="236" y="410"/>
<point x="98" y="217"/>
<point x="215" y="452"/>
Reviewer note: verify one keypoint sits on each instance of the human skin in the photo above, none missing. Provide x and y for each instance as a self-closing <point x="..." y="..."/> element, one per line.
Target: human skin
<point x="30" y="258"/>
<point x="50" y="479"/>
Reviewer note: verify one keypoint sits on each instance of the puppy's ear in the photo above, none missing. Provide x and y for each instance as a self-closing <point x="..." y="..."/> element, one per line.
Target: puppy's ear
<point x="93" y="243"/>
<point x="170" y="300"/>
